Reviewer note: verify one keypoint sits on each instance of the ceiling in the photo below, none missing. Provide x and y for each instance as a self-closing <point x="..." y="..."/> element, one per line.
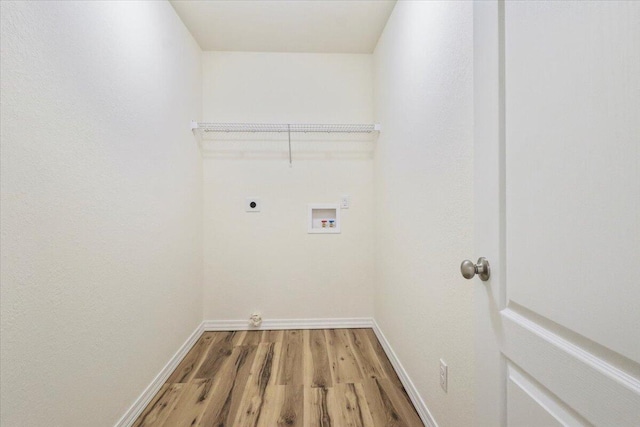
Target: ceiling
<point x="329" y="26"/>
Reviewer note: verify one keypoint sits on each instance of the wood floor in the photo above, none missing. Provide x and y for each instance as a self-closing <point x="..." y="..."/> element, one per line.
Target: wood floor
<point x="332" y="377"/>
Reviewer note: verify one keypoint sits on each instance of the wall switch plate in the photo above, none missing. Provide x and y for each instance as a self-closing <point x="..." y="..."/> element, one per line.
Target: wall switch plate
<point x="252" y="204"/>
<point x="444" y="375"/>
<point x="345" y="201"/>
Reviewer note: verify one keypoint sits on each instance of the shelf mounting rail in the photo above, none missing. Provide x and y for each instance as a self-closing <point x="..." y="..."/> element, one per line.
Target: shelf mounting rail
<point x="285" y="127"/>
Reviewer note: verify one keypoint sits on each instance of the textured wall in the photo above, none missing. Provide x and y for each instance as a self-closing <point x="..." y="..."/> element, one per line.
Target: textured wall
<point x="266" y="261"/>
<point x="423" y="198"/>
<point x="101" y="206"/>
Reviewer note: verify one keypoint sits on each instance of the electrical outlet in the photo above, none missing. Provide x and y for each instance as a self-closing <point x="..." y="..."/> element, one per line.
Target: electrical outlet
<point x="252" y="204"/>
<point x="345" y="201"/>
<point x="444" y="375"/>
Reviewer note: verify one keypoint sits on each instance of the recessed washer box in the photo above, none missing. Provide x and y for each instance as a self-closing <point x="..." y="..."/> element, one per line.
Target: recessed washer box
<point x="323" y="219"/>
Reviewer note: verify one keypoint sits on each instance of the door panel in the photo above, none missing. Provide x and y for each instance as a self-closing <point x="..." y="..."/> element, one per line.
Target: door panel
<point x="572" y="154"/>
<point x="531" y="405"/>
<point x="557" y="142"/>
<point x="592" y="386"/>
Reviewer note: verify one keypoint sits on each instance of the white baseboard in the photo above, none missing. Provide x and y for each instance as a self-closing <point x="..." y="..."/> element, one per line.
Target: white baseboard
<point x="273" y="324"/>
<point x="411" y="389"/>
<point x="143" y="400"/>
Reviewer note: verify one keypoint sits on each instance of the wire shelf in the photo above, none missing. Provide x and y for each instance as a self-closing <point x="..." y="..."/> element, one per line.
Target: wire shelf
<point x="282" y="127"/>
<point x="287" y="128"/>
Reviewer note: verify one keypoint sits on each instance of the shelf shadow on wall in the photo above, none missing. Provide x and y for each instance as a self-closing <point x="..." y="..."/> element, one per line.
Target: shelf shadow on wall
<point x="303" y="147"/>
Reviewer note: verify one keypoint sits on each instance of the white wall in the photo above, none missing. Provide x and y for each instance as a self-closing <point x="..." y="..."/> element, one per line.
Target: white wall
<point x="423" y="198"/>
<point x="266" y="261"/>
<point x="101" y="205"/>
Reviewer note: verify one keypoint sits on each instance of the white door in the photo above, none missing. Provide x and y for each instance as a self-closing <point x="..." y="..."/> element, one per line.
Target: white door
<point x="557" y="143"/>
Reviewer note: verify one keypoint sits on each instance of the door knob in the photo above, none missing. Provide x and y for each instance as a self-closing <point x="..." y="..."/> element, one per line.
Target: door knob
<point x="482" y="269"/>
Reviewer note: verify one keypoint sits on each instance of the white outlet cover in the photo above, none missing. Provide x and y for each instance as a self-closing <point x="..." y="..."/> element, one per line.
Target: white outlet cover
<point x="252" y="204"/>
<point x="345" y="201"/>
<point x="444" y="375"/>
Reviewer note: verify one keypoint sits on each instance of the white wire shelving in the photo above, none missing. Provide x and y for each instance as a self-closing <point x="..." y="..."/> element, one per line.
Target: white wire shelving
<point x="288" y="128"/>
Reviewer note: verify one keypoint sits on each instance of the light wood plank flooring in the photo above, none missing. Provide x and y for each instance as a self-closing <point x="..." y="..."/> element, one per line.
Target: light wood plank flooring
<point x="310" y="378"/>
